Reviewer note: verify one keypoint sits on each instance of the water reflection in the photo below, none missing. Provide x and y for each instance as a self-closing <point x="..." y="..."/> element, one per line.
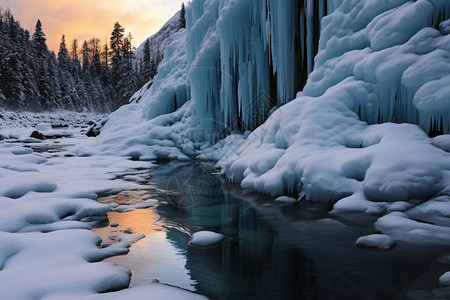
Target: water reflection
<point x="277" y="252"/>
<point x="155" y="256"/>
<point x="252" y="262"/>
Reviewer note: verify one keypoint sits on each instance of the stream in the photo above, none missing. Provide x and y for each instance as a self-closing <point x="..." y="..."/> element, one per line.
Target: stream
<point x="270" y="250"/>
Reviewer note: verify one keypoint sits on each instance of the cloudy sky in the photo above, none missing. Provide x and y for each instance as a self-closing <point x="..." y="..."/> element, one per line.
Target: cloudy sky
<point x="85" y="19"/>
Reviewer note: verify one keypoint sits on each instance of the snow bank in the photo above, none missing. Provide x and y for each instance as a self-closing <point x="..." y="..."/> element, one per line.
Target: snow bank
<point x="373" y="66"/>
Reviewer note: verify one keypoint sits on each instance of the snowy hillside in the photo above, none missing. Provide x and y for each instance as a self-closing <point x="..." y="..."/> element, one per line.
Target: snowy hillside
<point x="162" y="38"/>
<point x="378" y="64"/>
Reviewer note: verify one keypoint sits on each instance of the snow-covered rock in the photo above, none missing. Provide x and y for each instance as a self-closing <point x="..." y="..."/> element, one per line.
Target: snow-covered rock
<point x="401" y="228"/>
<point x="445" y="279"/>
<point x="43" y="127"/>
<point x="379" y="241"/>
<point x="285" y="199"/>
<point x="205" y="238"/>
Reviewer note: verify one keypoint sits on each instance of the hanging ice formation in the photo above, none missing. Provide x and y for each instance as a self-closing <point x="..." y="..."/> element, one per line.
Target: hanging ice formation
<point x="245" y="57"/>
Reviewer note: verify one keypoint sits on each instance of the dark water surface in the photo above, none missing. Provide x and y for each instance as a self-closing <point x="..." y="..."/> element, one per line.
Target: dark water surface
<point x="270" y="250"/>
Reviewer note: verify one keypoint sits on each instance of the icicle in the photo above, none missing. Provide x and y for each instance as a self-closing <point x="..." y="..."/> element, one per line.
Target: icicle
<point x="231" y="58"/>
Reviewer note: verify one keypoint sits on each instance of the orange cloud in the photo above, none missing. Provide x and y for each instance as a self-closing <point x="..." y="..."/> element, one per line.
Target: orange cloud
<point x="85" y="19"/>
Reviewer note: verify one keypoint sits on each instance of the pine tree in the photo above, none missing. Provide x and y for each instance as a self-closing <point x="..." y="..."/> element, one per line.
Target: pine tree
<point x="85" y="53"/>
<point x="13" y="88"/>
<point x="31" y="91"/>
<point x="127" y="80"/>
<point x="182" y="19"/>
<point x="106" y="76"/>
<point x="116" y="40"/>
<point x="105" y="55"/>
<point x="74" y="55"/>
<point x="74" y="49"/>
<point x="116" y="45"/>
<point x="32" y="77"/>
<point x="146" y="68"/>
<point x="39" y="38"/>
<point x="95" y="48"/>
<point x="63" y="53"/>
<point x="50" y="83"/>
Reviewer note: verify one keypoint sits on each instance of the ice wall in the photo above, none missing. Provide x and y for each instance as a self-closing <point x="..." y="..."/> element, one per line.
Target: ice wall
<point x="237" y="60"/>
<point x="246" y="57"/>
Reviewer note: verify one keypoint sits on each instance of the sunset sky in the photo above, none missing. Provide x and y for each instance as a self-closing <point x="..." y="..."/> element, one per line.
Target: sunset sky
<point x="85" y="19"/>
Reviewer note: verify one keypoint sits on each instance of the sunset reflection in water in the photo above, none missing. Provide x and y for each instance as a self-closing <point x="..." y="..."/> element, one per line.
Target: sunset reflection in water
<point x="153" y="257"/>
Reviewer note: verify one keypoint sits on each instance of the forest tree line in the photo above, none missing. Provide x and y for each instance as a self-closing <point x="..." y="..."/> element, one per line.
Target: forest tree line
<point x="82" y="76"/>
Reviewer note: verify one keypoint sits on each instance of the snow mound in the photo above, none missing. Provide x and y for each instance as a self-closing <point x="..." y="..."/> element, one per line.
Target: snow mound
<point x="443" y="142"/>
<point x="379" y="241"/>
<point x="445" y="279"/>
<point x="205" y="238"/>
<point x="401" y="228"/>
<point x="285" y="199"/>
<point x="43" y="127"/>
